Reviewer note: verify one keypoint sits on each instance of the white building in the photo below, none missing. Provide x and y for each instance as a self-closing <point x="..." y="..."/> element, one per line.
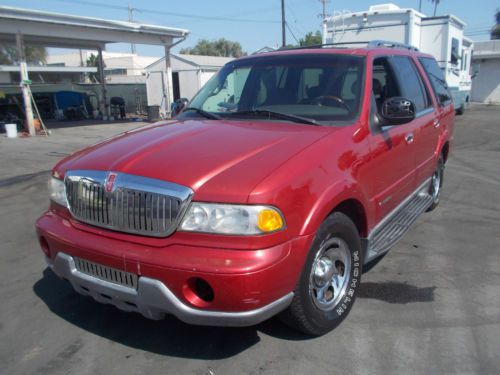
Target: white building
<point x="189" y="74"/>
<point x="119" y="67"/>
<point x="441" y="36"/>
<point x="486" y="83"/>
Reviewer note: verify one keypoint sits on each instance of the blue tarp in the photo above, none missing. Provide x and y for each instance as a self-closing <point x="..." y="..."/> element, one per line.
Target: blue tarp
<point x="65" y="99"/>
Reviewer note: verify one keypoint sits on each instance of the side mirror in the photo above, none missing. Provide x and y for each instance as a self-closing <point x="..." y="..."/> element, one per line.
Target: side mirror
<point x="398" y="110"/>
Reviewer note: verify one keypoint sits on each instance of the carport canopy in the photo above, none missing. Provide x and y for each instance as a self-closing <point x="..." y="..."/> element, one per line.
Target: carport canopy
<point x="69" y="31"/>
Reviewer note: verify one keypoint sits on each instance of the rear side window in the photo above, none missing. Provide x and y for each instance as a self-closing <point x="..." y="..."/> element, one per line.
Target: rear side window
<point x="412" y="86"/>
<point x="435" y="76"/>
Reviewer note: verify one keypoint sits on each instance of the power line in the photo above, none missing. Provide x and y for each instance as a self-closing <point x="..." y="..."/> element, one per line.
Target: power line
<point x="166" y="13"/>
<point x="291" y="32"/>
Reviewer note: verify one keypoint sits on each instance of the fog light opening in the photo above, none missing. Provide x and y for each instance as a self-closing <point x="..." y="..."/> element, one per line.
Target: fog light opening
<point x="198" y="292"/>
<point x="45" y="246"/>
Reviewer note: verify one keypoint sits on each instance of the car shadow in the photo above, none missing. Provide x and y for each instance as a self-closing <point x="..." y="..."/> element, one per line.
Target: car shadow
<point x="396" y="292"/>
<point x="169" y="336"/>
<point x="174" y="338"/>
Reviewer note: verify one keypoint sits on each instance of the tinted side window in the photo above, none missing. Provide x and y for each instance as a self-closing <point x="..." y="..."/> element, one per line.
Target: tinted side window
<point x="412" y="86"/>
<point x="435" y="76"/>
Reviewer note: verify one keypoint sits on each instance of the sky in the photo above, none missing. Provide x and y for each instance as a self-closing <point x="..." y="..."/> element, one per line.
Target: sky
<point x="255" y="23"/>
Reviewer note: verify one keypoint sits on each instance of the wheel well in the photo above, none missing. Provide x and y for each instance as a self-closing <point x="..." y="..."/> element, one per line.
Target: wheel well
<point x="356" y="212"/>
<point x="444" y="151"/>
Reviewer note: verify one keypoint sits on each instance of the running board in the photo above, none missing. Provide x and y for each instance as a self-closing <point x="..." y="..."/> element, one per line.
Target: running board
<point x="398" y="223"/>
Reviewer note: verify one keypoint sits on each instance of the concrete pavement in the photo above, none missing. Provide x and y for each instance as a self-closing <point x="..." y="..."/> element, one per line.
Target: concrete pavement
<point x="431" y="306"/>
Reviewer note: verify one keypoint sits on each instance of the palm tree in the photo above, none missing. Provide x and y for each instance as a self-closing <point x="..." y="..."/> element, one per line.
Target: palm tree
<point x="436" y="3"/>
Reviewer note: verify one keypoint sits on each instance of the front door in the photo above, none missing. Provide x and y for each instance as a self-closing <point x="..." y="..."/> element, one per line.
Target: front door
<point x="392" y="175"/>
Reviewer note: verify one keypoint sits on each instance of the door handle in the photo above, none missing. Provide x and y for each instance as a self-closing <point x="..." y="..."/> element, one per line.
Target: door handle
<point x="409" y="138"/>
<point x="437" y="123"/>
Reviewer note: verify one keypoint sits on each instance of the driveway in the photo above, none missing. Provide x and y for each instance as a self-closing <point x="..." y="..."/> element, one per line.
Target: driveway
<point x="431" y="306"/>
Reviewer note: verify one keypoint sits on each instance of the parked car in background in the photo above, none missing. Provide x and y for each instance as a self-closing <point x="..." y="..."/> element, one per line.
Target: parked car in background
<point x="288" y="175"/>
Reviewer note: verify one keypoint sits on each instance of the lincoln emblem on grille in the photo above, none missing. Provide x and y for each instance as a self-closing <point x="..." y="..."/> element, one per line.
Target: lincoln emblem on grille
<point x="110" y="181"/>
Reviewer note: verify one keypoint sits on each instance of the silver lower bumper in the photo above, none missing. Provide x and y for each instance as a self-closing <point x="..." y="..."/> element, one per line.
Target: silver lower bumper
<point x="153" y="299"/>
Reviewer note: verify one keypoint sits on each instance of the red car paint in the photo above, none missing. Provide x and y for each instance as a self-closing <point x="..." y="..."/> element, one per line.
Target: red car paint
<point x="305" y="171"/>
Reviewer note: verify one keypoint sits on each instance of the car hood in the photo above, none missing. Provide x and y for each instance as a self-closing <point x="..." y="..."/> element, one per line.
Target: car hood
<point x="220" y="160"/>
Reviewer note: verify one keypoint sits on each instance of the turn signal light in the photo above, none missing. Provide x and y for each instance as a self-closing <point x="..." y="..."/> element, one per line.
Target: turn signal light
<point x="269" y="220"/>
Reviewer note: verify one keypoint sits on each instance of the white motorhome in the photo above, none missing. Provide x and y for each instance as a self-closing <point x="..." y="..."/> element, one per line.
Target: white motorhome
<point x="440" y="36"/>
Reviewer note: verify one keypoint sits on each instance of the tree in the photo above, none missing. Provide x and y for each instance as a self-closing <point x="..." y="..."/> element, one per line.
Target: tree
<point x="311" y="39"/>
<point x="219" y="47"/>
<point x="93" y="61"/>
<point x="495" y="32"/>
<point x="436" y="3"/>
<point x="9" y="55"/>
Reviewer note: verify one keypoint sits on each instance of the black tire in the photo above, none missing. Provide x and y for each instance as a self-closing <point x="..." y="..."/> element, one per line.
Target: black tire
<point x="460" y="110"/>
<point x="438" y="173"/>
<point x="310" y="314"/>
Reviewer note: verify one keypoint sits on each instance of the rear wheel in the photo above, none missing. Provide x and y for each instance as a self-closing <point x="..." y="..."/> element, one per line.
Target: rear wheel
<point x="330" y="279"/>
<point x="436" y="184"/>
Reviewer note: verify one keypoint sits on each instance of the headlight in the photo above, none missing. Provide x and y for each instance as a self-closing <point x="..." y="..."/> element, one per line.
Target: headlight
<point x="232" y="219"/>
<point x="57" y="191"/>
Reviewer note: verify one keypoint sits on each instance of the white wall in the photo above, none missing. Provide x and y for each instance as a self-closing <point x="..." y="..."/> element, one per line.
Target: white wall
<point x="189" y="83"/>
<point x="486" y="85"/>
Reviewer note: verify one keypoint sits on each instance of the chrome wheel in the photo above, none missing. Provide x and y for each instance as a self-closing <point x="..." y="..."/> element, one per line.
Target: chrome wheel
<point x="330" y="274"/>
<point x="436" y="184"/>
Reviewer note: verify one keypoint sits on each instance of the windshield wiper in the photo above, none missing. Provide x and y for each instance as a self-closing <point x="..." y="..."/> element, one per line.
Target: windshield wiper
<point x="280" y="115"/>
<point x="211" y="116"/>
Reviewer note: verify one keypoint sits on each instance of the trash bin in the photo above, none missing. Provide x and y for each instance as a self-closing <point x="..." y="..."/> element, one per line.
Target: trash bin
<point x="11" y="130"/>
<point x="153" y="112"/>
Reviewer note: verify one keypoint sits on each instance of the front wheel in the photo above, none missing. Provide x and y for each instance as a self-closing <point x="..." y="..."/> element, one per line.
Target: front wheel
<point x="330" y="278"/>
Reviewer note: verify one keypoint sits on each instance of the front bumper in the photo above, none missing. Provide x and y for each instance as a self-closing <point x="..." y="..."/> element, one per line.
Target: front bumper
<point x="249" y="286"/>
<point x="153" y="299"/>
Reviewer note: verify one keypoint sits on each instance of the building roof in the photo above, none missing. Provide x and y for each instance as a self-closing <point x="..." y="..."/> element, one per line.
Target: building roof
<point x="487" y="50"/>
<point x="50" y="69"/>
<point x="64" y="30"/>
<point x="197" y="61"/>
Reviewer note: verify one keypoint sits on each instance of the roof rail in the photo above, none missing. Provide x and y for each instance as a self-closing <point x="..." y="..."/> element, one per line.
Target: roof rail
<point x="369" y="44"/>
<point x="388" y="43"/>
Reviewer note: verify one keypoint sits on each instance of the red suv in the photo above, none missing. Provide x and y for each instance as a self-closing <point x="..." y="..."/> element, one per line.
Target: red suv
<point x="288" y="175"/>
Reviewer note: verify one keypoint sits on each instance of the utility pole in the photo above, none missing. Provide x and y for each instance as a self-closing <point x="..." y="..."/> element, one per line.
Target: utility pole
<point x="420" y="5"/>
<point x="283" y="24"/>
<point x="323" y="16"/>
<point x="25" y="82"/>
<point x="131" y="19"/>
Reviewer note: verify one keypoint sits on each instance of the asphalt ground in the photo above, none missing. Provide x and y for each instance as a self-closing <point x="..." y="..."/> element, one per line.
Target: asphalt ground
<point x="431" y="306"/>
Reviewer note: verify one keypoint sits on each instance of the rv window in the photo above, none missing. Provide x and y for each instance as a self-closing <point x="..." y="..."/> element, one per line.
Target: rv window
<point x="413" y="87"/>
<point x="435" y="76"/>
<point x="455" y="51"/>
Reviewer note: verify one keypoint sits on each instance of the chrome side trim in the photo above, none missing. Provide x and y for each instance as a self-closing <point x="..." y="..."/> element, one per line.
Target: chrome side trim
<point x="153" y="299"/>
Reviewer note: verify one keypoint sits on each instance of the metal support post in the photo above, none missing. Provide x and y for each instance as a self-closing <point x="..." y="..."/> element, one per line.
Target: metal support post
<point x="28" y="110"/>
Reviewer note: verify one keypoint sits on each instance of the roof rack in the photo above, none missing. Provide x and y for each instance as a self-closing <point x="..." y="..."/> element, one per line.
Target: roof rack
<point x="369" y="44"/>
<point x="387" y="43"/>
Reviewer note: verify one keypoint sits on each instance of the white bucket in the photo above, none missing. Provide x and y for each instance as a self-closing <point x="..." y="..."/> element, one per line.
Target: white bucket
<point x="11" y="130"/>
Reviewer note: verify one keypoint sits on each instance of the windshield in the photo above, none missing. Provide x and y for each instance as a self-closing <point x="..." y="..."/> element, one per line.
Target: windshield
<point x="314" y="88"/>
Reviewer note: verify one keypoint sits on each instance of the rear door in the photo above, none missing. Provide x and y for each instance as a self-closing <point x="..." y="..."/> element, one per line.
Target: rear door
<point x="426" y="133"/>
<point x="445" y="112"/>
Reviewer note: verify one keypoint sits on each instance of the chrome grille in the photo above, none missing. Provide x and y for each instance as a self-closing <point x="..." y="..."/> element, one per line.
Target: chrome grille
<point x="105" y="273"/>
<point x="133" y="204"/>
